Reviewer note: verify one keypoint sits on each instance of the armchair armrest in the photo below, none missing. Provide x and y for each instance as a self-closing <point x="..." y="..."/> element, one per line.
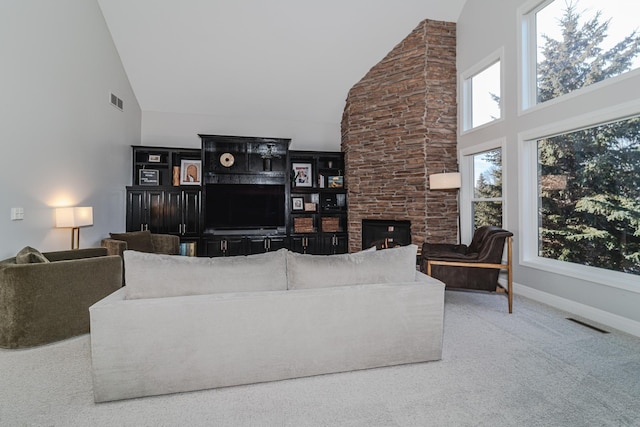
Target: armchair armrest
<point x="113" y="246"/>
<point x="452" y="256"/>
<point x="166" y="244"/>
<point x="443" y="247"/>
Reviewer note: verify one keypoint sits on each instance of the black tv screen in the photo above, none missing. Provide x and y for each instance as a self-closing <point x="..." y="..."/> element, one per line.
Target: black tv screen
<point x="244" y="206"/>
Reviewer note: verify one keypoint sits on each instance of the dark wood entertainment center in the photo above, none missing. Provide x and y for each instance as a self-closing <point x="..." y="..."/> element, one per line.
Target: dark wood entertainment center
<point x="249" y="199"/>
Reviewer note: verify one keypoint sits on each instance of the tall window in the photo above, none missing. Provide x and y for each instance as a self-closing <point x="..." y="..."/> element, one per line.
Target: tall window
<point x="486" y="200"/>
<point x="482" y="88"/>
<point x="589" y="196"/>
<point x="573" y="44"/>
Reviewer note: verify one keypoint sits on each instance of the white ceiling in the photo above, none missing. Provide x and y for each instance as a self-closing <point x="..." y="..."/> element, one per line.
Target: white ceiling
<point x="276" y="59"/>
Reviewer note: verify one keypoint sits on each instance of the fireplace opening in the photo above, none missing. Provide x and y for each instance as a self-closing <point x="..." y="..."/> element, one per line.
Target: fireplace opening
<point x="383" y="233"/>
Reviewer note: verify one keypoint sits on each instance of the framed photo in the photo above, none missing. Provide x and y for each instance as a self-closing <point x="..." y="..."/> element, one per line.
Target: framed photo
<point x="336" y="181"/>
<point x="190" y="172"/>
<point x="154" y="158"/>
<point x="297" y="203"/>
<point x="302" y="174"/>
<point x="149" y="177"/>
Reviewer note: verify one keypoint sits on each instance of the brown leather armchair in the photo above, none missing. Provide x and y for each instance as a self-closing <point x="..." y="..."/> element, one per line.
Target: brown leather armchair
<point x="476" y="266"/>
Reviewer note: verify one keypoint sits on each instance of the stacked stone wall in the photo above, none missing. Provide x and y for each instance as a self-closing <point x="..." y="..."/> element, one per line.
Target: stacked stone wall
<point x="398" y="127"/>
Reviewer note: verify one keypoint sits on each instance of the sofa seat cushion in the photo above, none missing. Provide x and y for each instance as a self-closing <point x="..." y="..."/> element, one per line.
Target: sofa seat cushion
<point x="29" y="255"/>
<point x="157" y="275"/>
<point x="136" y="240"/>
<point x="393" y="265"/>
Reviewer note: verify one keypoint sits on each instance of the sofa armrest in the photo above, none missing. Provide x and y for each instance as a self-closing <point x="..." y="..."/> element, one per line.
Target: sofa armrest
<point x="113" y="246"/>
<point x="166" y="244"/>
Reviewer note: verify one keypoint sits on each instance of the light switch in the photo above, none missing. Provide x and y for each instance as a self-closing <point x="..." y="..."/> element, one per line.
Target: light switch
<point x="17" y="214"/>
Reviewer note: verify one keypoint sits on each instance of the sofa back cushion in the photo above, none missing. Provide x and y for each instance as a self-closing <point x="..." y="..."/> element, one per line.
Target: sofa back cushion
<point x="158" y="275"/>
<point x="367" y="267"/>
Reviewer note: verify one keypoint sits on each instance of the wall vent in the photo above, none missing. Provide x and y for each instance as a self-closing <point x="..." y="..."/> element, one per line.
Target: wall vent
<point x="116" y="102"/>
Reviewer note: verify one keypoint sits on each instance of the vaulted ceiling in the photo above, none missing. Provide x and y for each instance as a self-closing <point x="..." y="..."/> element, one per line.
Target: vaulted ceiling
<point x="268" y="59"/>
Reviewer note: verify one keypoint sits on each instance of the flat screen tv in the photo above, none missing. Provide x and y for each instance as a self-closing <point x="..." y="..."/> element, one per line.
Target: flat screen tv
<point x="244" y="206"/>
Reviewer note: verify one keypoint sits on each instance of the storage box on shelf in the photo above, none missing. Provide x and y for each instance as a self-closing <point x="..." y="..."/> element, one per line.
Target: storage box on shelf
<point x="303" y="224"/>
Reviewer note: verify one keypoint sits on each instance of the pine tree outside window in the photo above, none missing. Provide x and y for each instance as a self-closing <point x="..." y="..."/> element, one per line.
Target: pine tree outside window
<point x="572" y="44"/>
<point x="589" y="196"/>
<point x="580" y="178"/>
<point x="483" y="191"/>
<point x="486" y="201"/>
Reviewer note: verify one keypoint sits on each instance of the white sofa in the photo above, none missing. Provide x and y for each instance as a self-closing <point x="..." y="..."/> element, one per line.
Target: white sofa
<point x="185" y="324"/>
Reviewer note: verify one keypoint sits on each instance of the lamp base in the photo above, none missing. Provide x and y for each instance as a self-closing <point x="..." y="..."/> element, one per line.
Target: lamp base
<point x="75" y="238"/>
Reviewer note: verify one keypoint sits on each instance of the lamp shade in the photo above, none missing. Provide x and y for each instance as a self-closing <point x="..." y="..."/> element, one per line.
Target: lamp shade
<point x="74" y="217"/>
<point x="444" y="181"/>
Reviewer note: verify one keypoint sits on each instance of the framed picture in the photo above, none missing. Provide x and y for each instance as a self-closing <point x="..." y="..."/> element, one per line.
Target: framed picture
<point x="302" y="174"/>
<point x="297" y="203"/>
<point x="149" y="177"/>
<point x="336" y="181"/>
<point x="190" y="172"/>
<point x="154" y="158"/>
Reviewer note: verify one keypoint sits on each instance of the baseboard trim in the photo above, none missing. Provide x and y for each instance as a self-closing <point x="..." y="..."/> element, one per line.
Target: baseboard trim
<point x="604" y="317"/>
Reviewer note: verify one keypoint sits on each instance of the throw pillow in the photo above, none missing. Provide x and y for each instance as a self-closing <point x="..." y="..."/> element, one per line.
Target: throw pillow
<point x="395" y="265"/>
<point x="136" y="240"/>
<point x="30" y="255"/>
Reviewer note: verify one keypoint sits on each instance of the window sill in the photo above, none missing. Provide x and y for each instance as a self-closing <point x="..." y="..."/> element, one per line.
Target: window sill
<point x="615" y="279"/>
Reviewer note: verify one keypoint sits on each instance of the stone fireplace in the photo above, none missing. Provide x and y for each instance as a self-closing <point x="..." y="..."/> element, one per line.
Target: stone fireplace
<point x="398" y="127"/>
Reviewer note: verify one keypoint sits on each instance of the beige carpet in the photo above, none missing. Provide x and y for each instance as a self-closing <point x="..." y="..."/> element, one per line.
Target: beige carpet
<point x="531" y="368"/>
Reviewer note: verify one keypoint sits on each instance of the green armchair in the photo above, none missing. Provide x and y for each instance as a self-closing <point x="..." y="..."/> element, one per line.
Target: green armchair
<point x="46" y="297"/>
<point x="142" y="241"/>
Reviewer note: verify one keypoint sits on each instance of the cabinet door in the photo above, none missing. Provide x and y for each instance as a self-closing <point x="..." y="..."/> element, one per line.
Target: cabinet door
<point x="261" y="244"/>
<point x="145" y="210"/>
<point x="304" y="244"/>
<point x="334" y="244"/>
<point x="137" y="218"/>
<point x="257" y="244"/>
<point x="276" y="242"/>
<point x="173" y="207"/>
<point x="191" y="208"/>
<point x="182" y="212"/>
<point x="225" y="246"/>
<point x="155" y="210"/>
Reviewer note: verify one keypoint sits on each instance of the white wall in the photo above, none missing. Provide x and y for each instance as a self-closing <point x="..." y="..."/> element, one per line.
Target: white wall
<point x="484" y="27"/>
<point x="62" y="142"/>
<point x="181" y="130"/>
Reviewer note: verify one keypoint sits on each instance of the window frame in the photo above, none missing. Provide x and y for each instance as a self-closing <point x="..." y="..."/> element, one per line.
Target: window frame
<point x="468" y="186"/>
<point x="466" y="102"/>
<point x="528" y="201"/>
